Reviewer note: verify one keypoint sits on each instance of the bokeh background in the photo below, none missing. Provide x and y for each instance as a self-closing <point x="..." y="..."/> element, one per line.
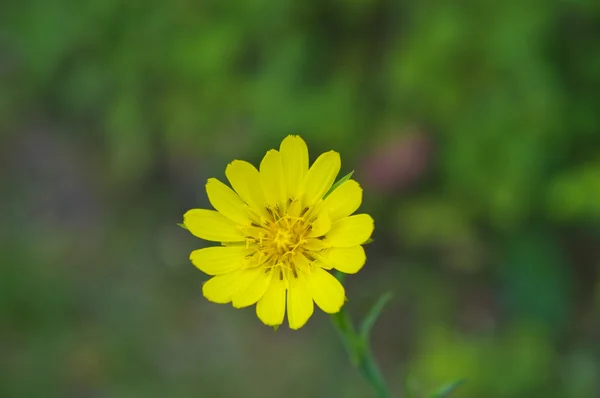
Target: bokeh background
<point x="474" y="128"/>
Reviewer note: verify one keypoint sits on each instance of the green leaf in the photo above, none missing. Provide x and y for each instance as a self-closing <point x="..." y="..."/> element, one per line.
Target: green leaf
<point x="340" y="182"/>
<point x="447" y="389"/>
<point x="370" y="240"/>
<point x="340" y="276"/>
<point x="182" y="225"/>
<point x="275" y="328"/>
<point x="371" y="318"/>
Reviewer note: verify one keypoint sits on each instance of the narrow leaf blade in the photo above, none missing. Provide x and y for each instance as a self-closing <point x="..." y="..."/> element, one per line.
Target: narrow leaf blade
<point x="340" y="182"/>
<point x="371" y="318"/>
<point x="340" y="276"/>
<point x="447" y="389"/>
<point x="182" y="225"/>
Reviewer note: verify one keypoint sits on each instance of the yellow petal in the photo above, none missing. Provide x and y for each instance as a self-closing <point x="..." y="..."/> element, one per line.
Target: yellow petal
<point x="350" y="231"/>
<point x="348" y="260"/>
<point x="321" y="260"/>
<point x="245" y="179"/>
<point x="237" y="244"/>
<point x="232" y="286"/>
<point x="300" y="305"/>
<point x="212" y="225"/>
<point x="272" y="179"/>
<point x="326" y="290"/>
<point x="343" y="201"/>
<point x="294" y="154"/>
<point x="301" y="262"/>
<point x="255" y="290"/>
<point x="320" y="177"/>
<point x="270" y="309"/>
<point x="315" y="245"/>
<point x="219" y="259"/>
<point x="294" y="209"/>
<point x="227" y="202"/>
<point x="220" y="289"/>
<point x="320" y="226"/>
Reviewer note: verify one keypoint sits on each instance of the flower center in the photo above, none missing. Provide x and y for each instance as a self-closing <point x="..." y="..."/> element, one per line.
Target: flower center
<point x="284" y="236"/>
<point x="284" y="240"/>
<point x="280" y="238"/>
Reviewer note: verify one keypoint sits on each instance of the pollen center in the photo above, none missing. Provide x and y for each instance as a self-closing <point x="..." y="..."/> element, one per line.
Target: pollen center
<point x="285" y="240"/>
<point x="280" y="238"/>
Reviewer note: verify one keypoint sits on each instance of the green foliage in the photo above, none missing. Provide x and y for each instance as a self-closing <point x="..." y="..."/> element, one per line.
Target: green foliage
<point x="537" y="282"/>
<point x="447" y="389"/>
<point x="112" y="114"/>
<point x="373" y="315"/>
<point x="358" y="344"/>
<point x="338" y="183"/>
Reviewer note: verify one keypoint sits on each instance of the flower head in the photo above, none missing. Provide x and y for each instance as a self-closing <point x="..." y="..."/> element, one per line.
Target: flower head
<point x="280" y="235"/>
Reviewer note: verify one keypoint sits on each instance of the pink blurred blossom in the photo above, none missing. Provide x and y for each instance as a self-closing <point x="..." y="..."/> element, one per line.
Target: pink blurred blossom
<point x="397" y="162"/>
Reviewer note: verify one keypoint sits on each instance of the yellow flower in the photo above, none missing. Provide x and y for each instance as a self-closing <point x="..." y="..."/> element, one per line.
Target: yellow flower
<point x="279" y="235"/>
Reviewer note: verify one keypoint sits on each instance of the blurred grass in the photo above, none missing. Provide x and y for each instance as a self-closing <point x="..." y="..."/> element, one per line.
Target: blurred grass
<point x="472" y="127"/>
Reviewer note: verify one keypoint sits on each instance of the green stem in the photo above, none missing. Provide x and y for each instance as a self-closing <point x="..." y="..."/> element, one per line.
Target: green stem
<point x="360" y="353"/>
<point x="370" y="371"/>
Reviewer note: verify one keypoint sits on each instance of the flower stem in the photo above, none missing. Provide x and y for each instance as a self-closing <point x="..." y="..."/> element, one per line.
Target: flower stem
<point x="359" y="350"/>
<point x="370" y="371"/>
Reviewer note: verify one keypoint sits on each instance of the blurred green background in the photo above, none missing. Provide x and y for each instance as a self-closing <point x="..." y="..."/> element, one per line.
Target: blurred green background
<point x="474" y="128"/>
